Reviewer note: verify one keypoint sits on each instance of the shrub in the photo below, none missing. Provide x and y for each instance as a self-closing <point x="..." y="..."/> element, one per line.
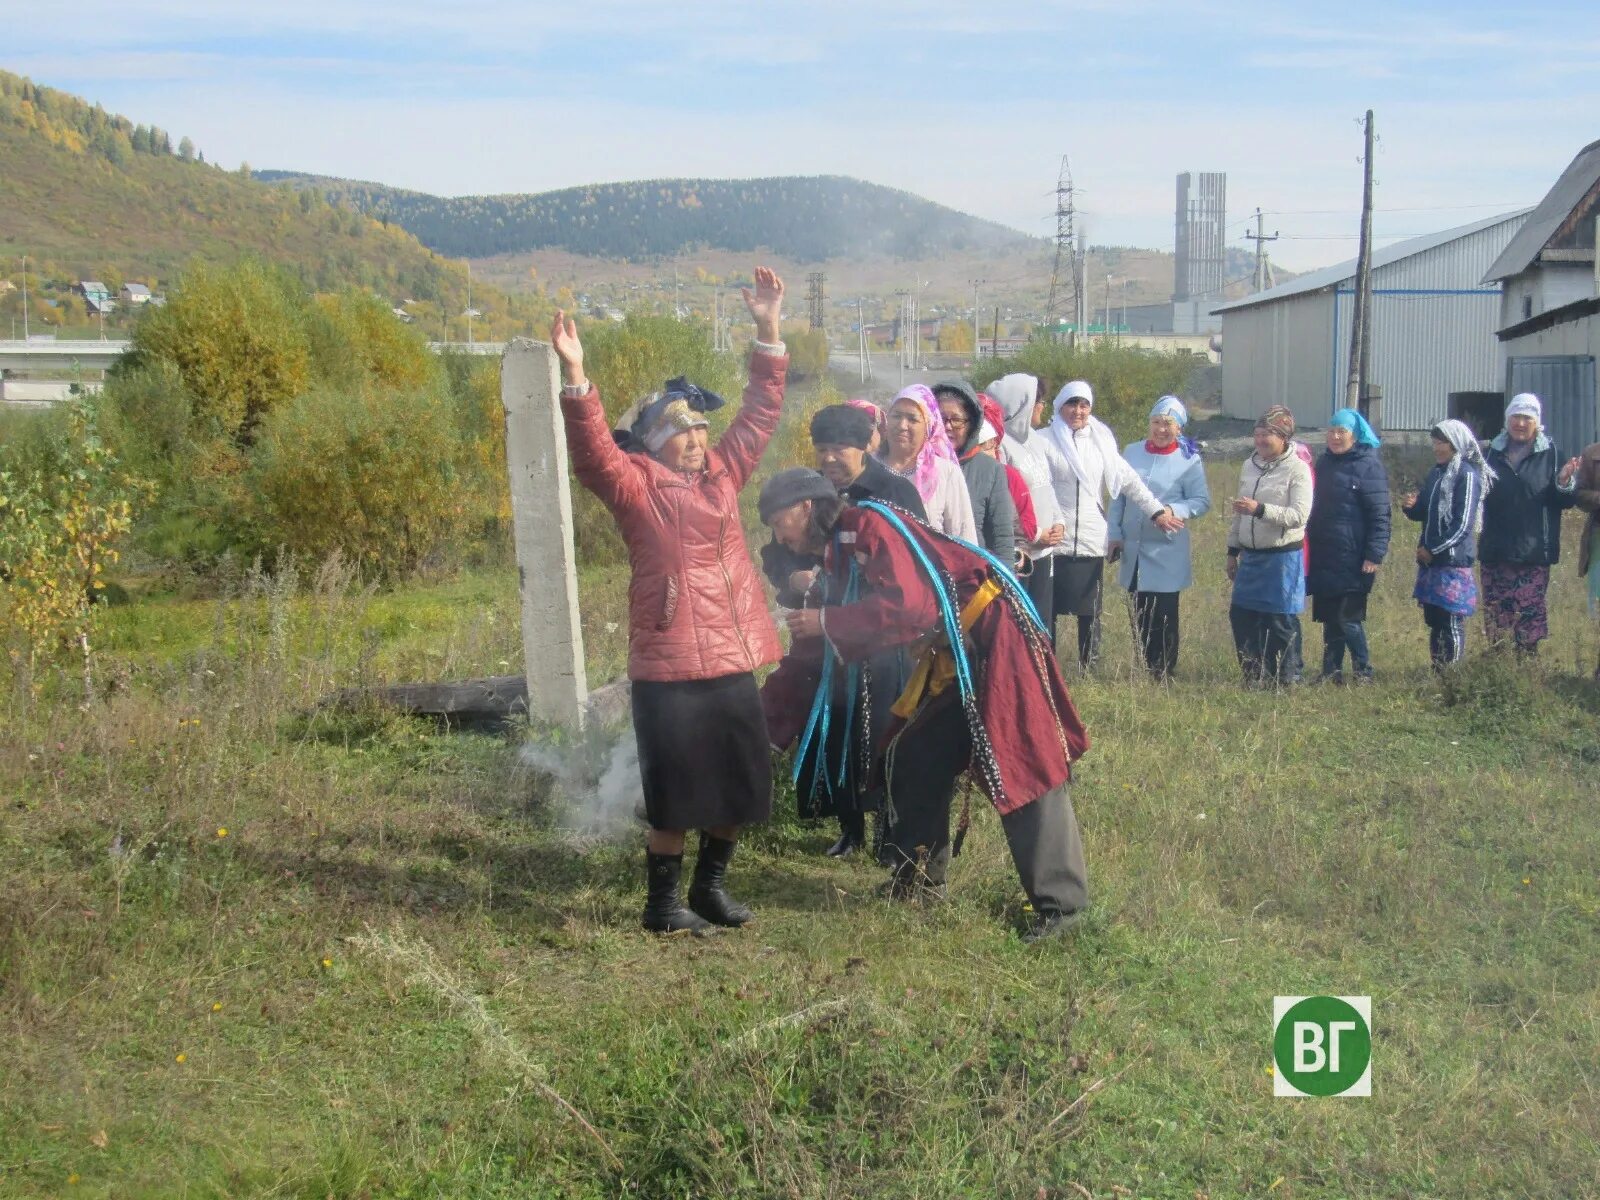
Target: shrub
<point x="473" y="385"/>
<point x="356" y="341"/>
<point x="372" y="475"/>
<point x="1126" y="380"/>
<point x="65" y="501"/>
<point x="237" y="340"/>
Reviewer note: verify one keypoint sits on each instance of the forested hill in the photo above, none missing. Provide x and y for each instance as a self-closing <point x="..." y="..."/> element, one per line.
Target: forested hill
<point x="88" y="194"/>
<point x="805" y="218"/>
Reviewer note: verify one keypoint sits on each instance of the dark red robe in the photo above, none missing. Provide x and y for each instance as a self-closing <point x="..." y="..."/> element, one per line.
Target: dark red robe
<point x="1031" y="722"/>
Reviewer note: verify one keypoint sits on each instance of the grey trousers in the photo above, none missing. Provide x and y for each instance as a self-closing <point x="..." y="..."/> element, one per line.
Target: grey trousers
<point x="1043" y="837"/>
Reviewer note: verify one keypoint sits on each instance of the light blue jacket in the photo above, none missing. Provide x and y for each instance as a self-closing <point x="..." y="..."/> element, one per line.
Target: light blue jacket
<point x="1162" y="558"/>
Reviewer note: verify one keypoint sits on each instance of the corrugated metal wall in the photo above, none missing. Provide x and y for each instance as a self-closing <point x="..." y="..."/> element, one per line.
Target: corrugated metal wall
<point x="1565" y="384"/>
<point x="1296" y="350"/>
<point x="1423" y="348"/>
<point x="1279" y="353"/>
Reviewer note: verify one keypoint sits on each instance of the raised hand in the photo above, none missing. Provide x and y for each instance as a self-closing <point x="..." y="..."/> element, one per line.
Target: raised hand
<point x="766" y="304"/>
<point x="564" y="339"/>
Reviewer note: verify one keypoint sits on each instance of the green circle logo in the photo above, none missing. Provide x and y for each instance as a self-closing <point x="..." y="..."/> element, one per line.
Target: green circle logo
<point x="1322" y="1046"/>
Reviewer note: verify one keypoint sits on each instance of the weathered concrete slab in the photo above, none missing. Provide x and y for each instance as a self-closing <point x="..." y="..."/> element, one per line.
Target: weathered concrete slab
<point x="541" y="502"/>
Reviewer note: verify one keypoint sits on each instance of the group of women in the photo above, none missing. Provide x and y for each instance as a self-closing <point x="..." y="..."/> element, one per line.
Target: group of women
<point x="921" y="569"/>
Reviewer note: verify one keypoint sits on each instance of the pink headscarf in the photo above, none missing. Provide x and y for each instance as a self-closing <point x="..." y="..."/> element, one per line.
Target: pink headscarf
<point x="925" y="474"/>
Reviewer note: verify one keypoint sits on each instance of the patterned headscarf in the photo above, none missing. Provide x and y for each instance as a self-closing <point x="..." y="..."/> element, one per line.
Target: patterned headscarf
<point x="1351" y="419"/>
<point x="1467" y="452"/>
<point x="1278" y="420"/>
<point x="654" y="420"/>
<point x="924" y="473"/>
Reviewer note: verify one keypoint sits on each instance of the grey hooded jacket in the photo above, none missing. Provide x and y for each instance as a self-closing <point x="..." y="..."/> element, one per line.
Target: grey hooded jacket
<point x="993" y="512"/>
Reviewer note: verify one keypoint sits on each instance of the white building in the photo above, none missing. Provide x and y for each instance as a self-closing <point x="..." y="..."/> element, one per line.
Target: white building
<point x="1550" y="307"/>
<point x="1433" y="331"/>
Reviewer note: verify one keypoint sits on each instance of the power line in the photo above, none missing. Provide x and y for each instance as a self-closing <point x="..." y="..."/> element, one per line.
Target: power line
<point x="815" y="297"/>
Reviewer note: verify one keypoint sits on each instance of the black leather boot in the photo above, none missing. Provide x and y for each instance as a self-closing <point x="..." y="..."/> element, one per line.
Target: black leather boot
<point x="706" y="895"/>
<point x="663" y="912"/>
<point x="852" y="836"/>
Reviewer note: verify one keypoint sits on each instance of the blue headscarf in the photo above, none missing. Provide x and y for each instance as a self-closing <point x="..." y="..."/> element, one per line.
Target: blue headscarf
<point x="1351" y="419"/>
<point x="1171" y="406"/>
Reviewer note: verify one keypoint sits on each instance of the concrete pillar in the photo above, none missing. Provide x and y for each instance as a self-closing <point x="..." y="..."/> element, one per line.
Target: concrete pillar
<point x="541" y="505"/>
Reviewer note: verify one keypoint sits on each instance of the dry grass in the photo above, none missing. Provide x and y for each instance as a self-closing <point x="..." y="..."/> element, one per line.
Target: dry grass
<point x="1431" y="846"/>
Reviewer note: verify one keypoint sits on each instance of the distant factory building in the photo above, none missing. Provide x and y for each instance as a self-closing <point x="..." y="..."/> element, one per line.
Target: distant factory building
<point x="1549" y="331"/>
<point x="1433" y="331"/>
<point x="1199" y="263"/>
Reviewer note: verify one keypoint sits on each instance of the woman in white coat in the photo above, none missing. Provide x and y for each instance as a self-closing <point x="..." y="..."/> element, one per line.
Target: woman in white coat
<point x="1157" y="566"/>
<point x="1084" y="464"/>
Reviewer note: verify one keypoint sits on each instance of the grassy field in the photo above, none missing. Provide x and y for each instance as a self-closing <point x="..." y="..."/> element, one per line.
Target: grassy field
<point x="253" y="948"/>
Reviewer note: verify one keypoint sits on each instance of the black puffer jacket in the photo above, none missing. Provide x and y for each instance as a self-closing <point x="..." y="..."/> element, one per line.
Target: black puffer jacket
<point x="993" y="511"/>
<point x="1522" y="512"/>
<point x="1349" y="521"/>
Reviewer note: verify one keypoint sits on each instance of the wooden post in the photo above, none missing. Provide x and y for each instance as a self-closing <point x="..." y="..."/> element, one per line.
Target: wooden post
<point x="541" y="506"/>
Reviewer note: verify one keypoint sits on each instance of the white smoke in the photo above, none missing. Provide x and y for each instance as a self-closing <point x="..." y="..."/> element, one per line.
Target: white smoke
<point x="596" y="776"/>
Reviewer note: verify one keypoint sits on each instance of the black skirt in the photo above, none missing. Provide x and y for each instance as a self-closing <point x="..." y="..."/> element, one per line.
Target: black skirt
<point x="1077" y="585"/>
<point x="704" y="757"/>
<point x="1335" y="610"/>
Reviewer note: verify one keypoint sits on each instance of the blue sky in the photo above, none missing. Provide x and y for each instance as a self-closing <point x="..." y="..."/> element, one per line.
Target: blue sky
<point x="1479" y="106"/>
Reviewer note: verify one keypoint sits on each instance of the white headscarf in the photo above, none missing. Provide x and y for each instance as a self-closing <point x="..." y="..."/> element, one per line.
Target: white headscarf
<point x="1525" y="404"/>
<point x="1016" y="395"/>
<point x="1096" y="430"/>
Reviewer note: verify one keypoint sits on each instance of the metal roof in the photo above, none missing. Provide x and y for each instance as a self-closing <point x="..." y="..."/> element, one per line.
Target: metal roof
<point x="1581" y="174"/>
<point x="1316" y="281"/>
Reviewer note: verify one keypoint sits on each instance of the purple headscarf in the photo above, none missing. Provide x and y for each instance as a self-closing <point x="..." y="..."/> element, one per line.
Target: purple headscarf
<point x="924" y="474"/>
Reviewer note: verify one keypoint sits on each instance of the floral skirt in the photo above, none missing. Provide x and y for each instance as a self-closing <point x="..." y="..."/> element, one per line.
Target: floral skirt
<point x="1513" y="601"/>
<point x="1450" y="588"/>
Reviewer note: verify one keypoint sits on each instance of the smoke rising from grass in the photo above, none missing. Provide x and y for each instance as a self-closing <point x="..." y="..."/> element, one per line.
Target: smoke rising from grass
<point x="596" y="775"/>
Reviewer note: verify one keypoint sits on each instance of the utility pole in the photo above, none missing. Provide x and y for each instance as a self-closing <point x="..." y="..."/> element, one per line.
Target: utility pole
<point x="1107" y="327"/>
<point x="469" y="302"/>
<point x="24" y="297"/>
<point x="677" y="310"/>
<point x="1081" y="273"/>
<point x="1066" y="236"/>
<point x="977" y="337"/>
<point x="1261" y="240"/>
<point x="861" y="337"/>
<point x="1123" y="324"/>
<point x="905" y="307"/>
<point x="1355" y="392"/>
<point x="994" y="341"/>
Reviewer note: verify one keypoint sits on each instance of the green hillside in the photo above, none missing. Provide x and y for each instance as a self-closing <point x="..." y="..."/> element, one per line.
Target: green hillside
<point x="87" y="194"/>
<point x="806" y="218"/>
